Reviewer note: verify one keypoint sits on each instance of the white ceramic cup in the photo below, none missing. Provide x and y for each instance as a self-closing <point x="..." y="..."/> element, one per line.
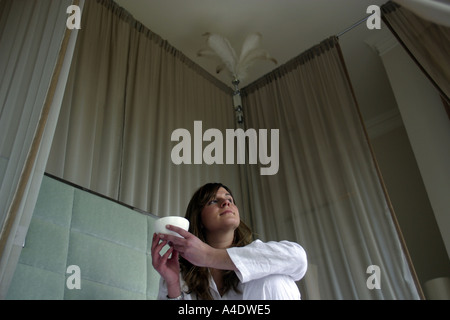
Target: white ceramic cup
<point x="161" y="223"/>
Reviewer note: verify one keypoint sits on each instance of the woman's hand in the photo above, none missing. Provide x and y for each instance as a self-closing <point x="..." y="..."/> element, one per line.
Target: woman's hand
<point x="167" y="265"/>
<point x="189" y="247"/>
<point x="196" y="251"/>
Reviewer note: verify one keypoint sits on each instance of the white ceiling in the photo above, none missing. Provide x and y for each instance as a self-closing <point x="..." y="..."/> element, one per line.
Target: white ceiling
<point x="288" y="28"/>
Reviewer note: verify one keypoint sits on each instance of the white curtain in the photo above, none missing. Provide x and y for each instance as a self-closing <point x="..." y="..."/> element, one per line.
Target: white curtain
<point x="35" y="53"/>
<point x="128" y="90"/>
<point x="327" y="194"/>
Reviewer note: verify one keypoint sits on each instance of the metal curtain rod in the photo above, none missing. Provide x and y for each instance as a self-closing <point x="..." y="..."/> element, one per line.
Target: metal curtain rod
<point x="354" y="25"/>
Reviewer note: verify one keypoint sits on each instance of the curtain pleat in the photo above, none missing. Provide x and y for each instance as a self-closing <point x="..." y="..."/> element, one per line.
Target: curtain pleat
<point x="327" y="194"/>
<point x="427" y="42"/>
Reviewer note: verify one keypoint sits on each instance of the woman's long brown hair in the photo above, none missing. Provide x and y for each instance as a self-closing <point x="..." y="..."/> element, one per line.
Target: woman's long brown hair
<point x="197" y="278"/>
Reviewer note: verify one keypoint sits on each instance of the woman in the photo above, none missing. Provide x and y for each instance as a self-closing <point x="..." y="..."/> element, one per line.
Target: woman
<point x="217" y="258"/>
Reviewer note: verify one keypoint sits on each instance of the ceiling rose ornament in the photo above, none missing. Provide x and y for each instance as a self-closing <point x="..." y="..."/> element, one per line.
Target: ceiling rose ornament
<point x="237" y="64"/>
<point x="217" y="46"/>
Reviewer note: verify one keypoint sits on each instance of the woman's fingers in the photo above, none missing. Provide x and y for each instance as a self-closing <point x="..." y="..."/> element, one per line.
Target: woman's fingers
<point x="180" y="231"/>
<point x="190" y="247"/>
<point x="157" y="246"/>
<point x="159" y="260"/>
<point x="166" y="255"/>
<point x="154" y="241"/>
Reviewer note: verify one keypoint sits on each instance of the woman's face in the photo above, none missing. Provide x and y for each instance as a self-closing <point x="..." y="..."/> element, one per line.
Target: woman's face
<point x="220" y="213"/>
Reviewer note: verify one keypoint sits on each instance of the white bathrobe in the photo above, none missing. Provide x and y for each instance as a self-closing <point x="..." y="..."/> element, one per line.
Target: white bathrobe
<point x="266" y="270"/>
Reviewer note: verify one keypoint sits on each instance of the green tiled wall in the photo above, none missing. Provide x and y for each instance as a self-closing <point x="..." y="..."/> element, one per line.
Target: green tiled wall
<point x="110" y="243"/>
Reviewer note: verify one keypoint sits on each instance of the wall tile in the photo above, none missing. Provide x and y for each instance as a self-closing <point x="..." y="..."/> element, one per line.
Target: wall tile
<point x="46" y="246"/>
<point x="108" y="220"/>
<point x="108" y="263"/>
<point x="31" y="283"/>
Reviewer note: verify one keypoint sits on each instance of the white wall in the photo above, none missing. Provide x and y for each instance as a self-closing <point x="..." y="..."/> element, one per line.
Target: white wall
<point x="428" y="129"/>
